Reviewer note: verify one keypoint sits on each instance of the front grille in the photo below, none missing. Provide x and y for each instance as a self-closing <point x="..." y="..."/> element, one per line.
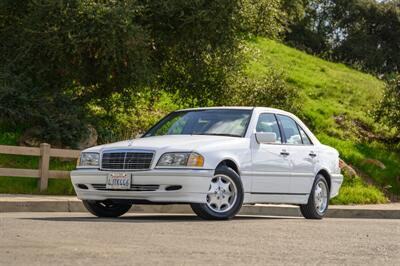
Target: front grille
<point x="133" y="187"/>
<point x="126" y="160"/>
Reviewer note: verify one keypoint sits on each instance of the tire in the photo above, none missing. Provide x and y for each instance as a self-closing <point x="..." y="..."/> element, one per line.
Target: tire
<point x="317" y="204"/>
<point x="106" y="208"/>
<point x="230" y="191"/>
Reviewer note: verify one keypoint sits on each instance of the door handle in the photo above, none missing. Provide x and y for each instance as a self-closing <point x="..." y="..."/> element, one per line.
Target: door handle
<point x="284" y="153"/>
<point x="312" y="154"/>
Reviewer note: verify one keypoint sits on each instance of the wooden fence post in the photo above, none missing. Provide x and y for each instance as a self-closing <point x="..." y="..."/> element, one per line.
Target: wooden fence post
<point x="44" y="162"/>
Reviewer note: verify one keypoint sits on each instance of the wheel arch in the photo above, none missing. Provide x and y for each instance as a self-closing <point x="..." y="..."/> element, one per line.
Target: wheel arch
<point x="327" y="176"/>
<point x="231" y="164"/>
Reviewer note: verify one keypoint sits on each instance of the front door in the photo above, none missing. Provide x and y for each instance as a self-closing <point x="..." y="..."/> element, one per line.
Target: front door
<point x="270" y="164"/>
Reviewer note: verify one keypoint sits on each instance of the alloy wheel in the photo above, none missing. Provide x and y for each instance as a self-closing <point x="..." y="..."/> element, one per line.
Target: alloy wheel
<point x="222" y="194"/>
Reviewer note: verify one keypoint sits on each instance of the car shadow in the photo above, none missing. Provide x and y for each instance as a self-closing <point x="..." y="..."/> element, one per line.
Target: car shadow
<point x="146" y="218"/>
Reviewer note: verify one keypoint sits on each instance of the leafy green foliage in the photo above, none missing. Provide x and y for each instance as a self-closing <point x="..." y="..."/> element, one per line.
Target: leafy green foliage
<point x="124" y="115"/>
<point x="364" y="33"/>
<point x="388" y="110"/>
<point x="308" y="32"/>
<point x="268" y="90"/>
<point x="263" y="18"/>
<point x="58" y="56"/>
<point x="62" y="45"/>
<point x="372" y="34"/>
<point x="196" y="45"/>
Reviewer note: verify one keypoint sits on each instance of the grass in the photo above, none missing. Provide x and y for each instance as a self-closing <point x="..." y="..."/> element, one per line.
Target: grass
<point x="330" y="91"/>
<point x="356" y="153"/>
<point x="24" y="185"/>
<point x="355" y="191"/>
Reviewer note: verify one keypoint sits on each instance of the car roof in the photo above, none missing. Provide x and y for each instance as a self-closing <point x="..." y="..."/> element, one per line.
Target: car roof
<point x="265" y="109"/>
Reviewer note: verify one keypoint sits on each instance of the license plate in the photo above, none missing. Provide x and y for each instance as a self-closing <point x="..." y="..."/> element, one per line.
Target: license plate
<point x="118" y="181"/>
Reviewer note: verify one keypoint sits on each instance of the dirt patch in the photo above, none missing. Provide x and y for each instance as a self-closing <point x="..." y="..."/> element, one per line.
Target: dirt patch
<point x="356" y="127"/>
<point x="374" y="162"/>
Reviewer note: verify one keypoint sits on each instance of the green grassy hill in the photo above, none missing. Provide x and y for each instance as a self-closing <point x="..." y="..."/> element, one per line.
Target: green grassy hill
<point x="336" y="101"/>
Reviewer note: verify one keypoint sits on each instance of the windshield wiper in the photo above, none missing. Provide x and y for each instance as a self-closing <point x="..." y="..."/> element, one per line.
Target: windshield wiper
<point x="218" y="134"/>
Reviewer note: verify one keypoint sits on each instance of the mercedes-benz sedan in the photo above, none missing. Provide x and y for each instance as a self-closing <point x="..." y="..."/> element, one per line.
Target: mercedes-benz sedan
<point x="216" y="160"/>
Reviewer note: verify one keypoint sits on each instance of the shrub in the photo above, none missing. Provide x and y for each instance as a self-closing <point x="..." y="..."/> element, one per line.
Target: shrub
<point x="388" y="110"/>
<point x="269" y="91"/>
<point x="263" y="18"/>
<point x="129" y="113"/>
<point x="57" y="56"/>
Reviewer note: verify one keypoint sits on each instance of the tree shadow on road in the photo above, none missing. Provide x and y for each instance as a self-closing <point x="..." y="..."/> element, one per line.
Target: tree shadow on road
<point x="150" y="218"/>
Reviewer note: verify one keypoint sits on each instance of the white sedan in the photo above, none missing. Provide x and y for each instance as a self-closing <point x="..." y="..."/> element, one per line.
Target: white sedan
<point x="214" y="159"/>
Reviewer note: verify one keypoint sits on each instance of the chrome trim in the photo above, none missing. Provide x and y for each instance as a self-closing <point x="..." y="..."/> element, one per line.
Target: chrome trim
<point x="126" y="151"/>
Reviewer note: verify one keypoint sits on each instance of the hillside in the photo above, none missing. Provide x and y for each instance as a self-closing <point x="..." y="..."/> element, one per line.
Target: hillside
<point x="336" y="101"/>
<point x="335" y="104"/>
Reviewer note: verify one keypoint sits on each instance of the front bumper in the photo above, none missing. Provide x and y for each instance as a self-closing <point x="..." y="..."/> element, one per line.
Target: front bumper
<point x="194" y="185"/>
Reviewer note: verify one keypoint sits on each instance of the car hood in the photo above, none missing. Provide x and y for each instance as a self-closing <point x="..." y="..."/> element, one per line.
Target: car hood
<point x="167" y="142"/>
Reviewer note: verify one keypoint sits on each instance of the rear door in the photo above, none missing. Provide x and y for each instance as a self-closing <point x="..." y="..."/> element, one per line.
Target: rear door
<point x="301" y="155"/>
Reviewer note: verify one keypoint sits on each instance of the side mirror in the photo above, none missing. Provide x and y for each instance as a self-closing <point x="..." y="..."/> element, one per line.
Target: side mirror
<point x="266" y="137"/>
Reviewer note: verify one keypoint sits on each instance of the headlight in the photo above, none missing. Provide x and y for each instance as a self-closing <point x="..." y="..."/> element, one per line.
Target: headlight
<point x="181" y="159"/>
<point x="88" y="159"/>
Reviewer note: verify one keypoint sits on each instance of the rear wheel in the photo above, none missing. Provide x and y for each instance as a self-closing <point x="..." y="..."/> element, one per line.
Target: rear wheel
<point x="224" y="197"/>
<point x="106" y="208"/>
<point x="318" y="202"/>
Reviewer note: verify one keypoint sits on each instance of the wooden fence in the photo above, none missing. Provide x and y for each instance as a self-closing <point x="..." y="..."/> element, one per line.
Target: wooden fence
<point x="43" y="173"/>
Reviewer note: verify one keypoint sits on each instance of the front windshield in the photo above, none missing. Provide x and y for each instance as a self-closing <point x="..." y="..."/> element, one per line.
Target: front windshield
<point x="222" y="122"/>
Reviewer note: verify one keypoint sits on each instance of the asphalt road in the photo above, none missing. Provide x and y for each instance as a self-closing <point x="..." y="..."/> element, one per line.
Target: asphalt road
<point x="80" y="239"/>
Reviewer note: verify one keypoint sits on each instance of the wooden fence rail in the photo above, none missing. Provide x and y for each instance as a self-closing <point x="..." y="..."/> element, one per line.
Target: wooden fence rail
<point x="43" y="173"/>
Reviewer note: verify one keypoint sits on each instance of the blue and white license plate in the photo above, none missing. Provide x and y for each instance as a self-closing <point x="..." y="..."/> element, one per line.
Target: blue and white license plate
<point x="118" y="181"/>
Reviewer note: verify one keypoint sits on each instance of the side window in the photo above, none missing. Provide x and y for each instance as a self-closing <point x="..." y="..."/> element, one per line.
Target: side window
<point x="268" y="123"/>
<point x="290" y="130"/>
<point x="304" y="137"/>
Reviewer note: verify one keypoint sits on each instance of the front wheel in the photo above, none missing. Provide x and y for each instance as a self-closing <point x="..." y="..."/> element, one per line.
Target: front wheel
<point x="318" y="202"/>
<point x="224" y="197"/>
<point x="106" y="208"/>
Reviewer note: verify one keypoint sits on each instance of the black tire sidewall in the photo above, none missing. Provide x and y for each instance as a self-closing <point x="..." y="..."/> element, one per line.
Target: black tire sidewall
<point x="309" y="210"/>
<point x="96" y="209"/>
<point x="323" y="179"/>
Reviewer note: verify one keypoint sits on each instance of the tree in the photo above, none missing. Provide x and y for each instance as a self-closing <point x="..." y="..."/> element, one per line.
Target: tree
<point x="310" y="32"/>
<point x="263" y="18"/>
<point x="58" y="56"/>
<point x="196" y="43"/>
<point x="370" y="34"/>
<point x="365" y="33"/>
